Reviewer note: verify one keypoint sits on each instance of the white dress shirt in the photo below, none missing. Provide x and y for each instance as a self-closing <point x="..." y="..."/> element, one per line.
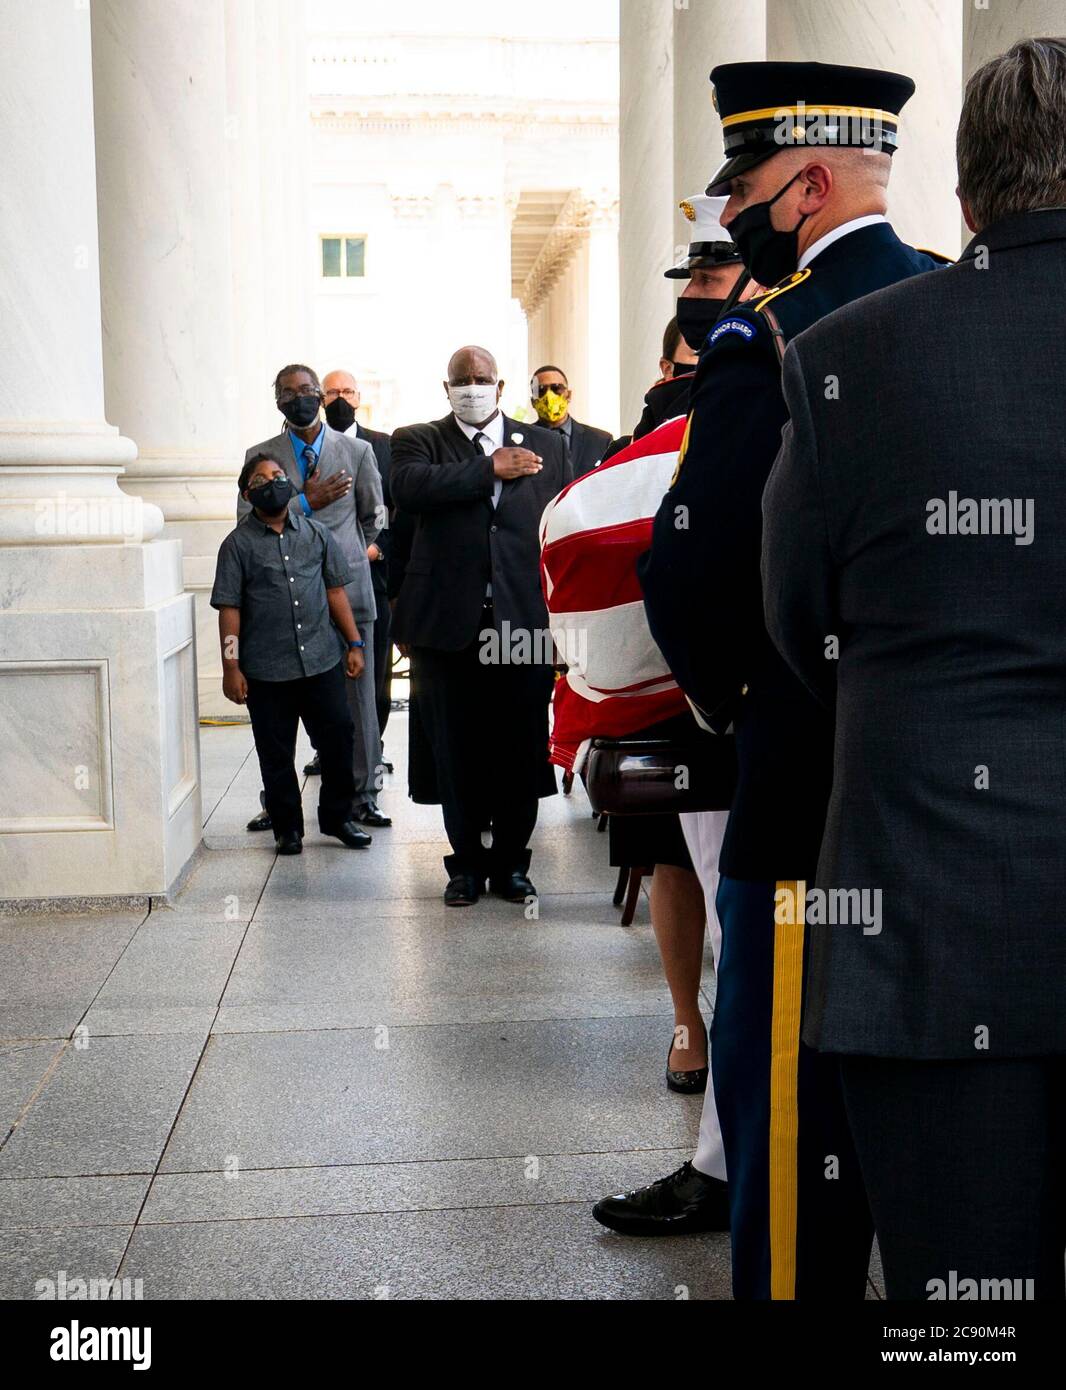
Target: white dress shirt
<point x="817" y="247"/>
<point x="491" y="440"/>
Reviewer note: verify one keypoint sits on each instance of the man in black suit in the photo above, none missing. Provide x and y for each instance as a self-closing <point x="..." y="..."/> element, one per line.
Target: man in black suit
<point x="470" y="610"/>
<point x="550" y="393"/>
<point x="341" y="399"/>
<point x="915" y="576"/>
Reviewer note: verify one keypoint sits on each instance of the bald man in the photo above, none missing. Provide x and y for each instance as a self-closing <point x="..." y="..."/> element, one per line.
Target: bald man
<point x="471" y="612"/>
<point x="341" y="398"/>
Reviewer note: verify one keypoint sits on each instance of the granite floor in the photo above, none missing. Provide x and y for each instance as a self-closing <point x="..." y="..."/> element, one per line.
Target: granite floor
<point x="308" y="1079"/>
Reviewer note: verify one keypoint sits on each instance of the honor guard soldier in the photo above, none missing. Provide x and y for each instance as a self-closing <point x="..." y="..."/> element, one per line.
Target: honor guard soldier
<point x="808" y="150"/>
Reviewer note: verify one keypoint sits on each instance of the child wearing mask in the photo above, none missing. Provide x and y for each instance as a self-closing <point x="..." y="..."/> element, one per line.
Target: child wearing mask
<point x="289" y="641"/>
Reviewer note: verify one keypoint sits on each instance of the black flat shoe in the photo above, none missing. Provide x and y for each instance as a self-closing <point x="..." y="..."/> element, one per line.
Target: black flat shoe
<point x="462" y="890"/>
<point x="313" y="768"/>
<point x="260" y="822"/>
<point x="349" y="834"/>
<point x="514" y="888"/>
<point x="681" y="1204"/>
<point x="688" y="1083"/>
<point x="289" y="843"/>
<point x="370" y="813"/>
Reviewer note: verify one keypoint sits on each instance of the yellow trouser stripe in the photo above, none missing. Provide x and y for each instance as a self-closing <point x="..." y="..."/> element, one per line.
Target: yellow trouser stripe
<point x="784" y="1086"/>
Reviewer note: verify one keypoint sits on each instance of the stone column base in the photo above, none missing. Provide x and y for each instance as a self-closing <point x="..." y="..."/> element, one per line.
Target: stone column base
<point x="100" y="757"/>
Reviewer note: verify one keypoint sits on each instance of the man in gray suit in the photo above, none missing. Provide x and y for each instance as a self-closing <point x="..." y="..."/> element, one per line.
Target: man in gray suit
<point x="914" y="573"/>
<point x="337" y="482"/>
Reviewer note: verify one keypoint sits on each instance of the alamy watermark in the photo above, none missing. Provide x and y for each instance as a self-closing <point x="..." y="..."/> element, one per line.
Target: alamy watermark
<point x="829" y="907"/>
<point x="954" y="1289"/>
<point x="981" y="516"/>
<point x="522" y="646"/>
<point x="102" y="1288"/>
<point x="87" y="517"/>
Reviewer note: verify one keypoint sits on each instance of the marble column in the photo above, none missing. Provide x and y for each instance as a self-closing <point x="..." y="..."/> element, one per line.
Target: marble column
<point x="601" y="383"/>
<point x="647" y="228"/>
<point x="253" y="369"/>
<point x="990" y="28"/>
<point x="706" y="33"/>
<point x="920" y="39"/>
<point x="301" y="268"/>
<point x="170" y="378"/>
<point x="99" y="760"/>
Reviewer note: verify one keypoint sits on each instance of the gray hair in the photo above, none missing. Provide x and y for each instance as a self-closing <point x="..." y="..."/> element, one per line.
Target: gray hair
<point x="1011" y="144"/>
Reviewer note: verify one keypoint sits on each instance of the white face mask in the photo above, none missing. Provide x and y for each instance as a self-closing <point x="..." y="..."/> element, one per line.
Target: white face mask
<point x="472" y="404"/>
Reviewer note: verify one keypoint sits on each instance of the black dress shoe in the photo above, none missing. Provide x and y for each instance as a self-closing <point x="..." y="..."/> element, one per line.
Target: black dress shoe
<point x="260" y="822"/>
<point x="462" y="890"/>
<point x="688" y="1083"/>
<point x="313" y="768"/>
<point x="289" y="842"/>
<point x="515" y="888"/>
<point x="681" y="1204"/>
<point x="349" y="834"/>
<point x="371" y="814"/>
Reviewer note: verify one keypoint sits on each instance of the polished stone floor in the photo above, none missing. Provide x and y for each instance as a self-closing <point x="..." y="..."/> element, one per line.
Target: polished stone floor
<point x="307" y="1078"/>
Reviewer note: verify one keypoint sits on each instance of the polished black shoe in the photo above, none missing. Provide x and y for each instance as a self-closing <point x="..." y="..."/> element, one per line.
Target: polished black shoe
<point x="462" y="890"/>
<point x="681" y="1204"/>
<point x="313" y="768"/>
<point x="687" y="1083"/>
<point x="289" y="842"/>
<point x="370" y="813"/>
<point x="515" y="888"/>
<point x="349" y="834"/>
<point x="260" y="822"/>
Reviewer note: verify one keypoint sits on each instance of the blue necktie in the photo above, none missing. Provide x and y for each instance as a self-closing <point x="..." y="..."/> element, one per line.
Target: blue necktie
<point x="309" y="462"/>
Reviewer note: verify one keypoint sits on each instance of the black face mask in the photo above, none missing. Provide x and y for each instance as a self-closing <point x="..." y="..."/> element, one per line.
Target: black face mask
<point x="683" y="369"/>
<point x="340" y="414"/>
<point x="271" y="498"/>
<point x="696" y="318"/>
<point x="769" y="254"/>
<point x="301" y="411"/>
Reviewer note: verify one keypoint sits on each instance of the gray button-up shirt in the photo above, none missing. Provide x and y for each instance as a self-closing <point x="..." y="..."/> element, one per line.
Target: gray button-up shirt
<point x="279" y="583"/>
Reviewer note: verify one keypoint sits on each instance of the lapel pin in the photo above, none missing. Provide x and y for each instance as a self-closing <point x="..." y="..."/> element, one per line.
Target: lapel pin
<point x="516" y="438"/>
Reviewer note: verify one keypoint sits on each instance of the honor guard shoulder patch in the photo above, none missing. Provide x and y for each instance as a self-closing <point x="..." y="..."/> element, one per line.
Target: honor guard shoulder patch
<point x="739" y="326"/>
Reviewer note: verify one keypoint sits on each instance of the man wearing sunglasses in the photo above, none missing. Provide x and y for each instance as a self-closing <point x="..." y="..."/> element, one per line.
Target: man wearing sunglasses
<point x="549" y="392"/>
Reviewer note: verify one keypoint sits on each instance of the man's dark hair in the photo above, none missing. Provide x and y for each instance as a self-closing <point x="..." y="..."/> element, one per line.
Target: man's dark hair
<point x="671" y="339"/>
<point x="549" y="368"/>
<point x="250" y="467"/>
<point x="296" y="367"/>
<point x="1011" y="144"/>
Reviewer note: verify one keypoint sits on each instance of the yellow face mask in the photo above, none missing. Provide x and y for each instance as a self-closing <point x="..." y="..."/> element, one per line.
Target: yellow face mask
<point x="551" y="407"/>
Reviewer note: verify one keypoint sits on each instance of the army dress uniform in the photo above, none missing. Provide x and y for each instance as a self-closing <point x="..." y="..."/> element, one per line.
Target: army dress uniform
<point x="799" y="1218"/>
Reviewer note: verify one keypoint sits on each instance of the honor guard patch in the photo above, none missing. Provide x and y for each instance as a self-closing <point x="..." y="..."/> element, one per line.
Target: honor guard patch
<point x="738" y="326"/>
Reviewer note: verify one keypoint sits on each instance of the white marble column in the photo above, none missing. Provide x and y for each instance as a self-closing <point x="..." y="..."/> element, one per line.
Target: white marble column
<point x="990" y="27"/>
<point x="301" y="267"/>
<point x="706" y="33"/>
<point x="647" y="222"/>
<point x="914" y="37"/>
<point x="170" y="376"/>
<point x="601" y="319"/>
<point x="256" y="416"/>
<point x="99" y="761"/>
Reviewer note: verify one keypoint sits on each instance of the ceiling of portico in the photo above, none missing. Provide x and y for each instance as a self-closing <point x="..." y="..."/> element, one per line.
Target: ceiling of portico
<point x="536" y="217"/>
